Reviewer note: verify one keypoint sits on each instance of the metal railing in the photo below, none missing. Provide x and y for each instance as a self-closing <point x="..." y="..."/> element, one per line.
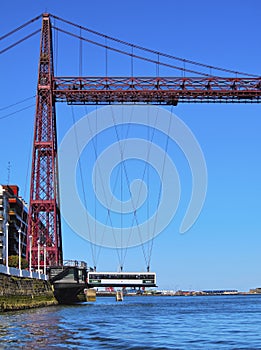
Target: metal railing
<point x="21" y="273"/>
<point x="75" y="263"/>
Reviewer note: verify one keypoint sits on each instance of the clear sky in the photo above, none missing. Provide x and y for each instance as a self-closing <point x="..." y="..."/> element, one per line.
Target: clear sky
<point x="222" y="249"/>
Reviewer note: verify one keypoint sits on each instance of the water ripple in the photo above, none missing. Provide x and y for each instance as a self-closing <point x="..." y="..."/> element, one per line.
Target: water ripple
<point x="151" y="323"/>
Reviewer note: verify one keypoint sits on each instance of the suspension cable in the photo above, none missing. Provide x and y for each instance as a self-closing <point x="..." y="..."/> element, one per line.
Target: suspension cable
<point x="154" y="51"/>
<point x="146" y="170"/>
<point x="108" y="217"/>
<point x="121" y="257"/>
<point x="17" y="103"/>
<point x="160" y="190"/>
<point x="128" y="53"/>
<point x="81" y="177"/>
<point x="135" y="217"/>
<point x="148" y="180"/>
<point x="20" y="110"/>
<point x="80" y="54"/>
<point x="132" y="62"/>
<point x="106" y="58"/>
<point x="20" y="27"/>
<point x="20" y="41"/>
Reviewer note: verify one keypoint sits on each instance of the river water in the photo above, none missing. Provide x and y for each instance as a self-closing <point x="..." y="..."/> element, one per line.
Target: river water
<point x="200" y="322"/>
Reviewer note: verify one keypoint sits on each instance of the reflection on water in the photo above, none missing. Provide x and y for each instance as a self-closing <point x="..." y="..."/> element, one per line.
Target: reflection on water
<point x="230" y="322"/>
<point x="35" y="327"/>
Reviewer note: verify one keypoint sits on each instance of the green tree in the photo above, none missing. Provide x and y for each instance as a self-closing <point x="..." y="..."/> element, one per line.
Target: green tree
<point x="13" y="261"/>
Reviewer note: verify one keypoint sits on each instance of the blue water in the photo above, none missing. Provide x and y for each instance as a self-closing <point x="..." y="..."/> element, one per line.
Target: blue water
<point x="202" y="322"/>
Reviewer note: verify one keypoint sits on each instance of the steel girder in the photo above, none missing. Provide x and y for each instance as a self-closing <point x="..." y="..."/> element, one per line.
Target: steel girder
<point x="158" y="90"/>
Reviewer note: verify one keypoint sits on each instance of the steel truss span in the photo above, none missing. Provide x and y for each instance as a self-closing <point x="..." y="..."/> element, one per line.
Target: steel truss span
<point x="44" y="244"/>
<point x="161" y="90"/>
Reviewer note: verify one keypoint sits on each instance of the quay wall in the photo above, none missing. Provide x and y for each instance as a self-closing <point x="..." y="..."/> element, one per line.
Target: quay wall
<point x="17" y="293"/>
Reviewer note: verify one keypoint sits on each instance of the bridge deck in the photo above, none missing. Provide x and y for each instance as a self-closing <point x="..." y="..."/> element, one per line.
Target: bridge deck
<point x="156" y="90"/>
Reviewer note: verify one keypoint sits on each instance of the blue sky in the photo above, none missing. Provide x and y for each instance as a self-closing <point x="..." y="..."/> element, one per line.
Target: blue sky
<point x="222" y="249"/>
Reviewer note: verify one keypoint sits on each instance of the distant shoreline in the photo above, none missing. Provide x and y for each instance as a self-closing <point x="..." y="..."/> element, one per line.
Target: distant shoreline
<point x="177" y="294"/>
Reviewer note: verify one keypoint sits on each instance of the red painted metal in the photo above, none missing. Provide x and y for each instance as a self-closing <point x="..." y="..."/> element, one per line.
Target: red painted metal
<point x="44" y="224"/>
<point x="100" y="90"/>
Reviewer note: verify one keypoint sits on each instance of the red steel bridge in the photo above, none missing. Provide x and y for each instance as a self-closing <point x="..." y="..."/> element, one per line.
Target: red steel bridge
<point x="44" y="216"/>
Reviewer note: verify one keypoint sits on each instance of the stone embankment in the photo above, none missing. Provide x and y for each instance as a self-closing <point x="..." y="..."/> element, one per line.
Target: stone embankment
<point x="17" y="293"/>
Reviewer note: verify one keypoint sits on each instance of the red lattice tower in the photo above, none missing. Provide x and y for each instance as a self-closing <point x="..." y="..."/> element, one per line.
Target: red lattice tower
<point x="44" y="223"/>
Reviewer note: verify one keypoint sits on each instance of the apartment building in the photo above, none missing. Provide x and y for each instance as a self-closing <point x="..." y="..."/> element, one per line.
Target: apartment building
<point x="13" y="220"/>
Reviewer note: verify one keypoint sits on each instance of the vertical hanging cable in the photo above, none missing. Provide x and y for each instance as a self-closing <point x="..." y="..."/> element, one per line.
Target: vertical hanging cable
<point x="82" y="181"/>
<point x="122" y="136"/>
<point x="128" y="44"/>
<point x="148" y="193"/>
<point x="80" y="54"/>
<point x="121" y="208"/>
<point x="96" y="254"/>
<point x="106" y="57"/>
<point x="132" y="61"/>
<point x="128" y="181"/>
<point x="95" y="186"/>
<point x="146" y="248"/>
<point x="160" y="190"/>
<point x="116" y="182"/>
<point x="157" y="65"/>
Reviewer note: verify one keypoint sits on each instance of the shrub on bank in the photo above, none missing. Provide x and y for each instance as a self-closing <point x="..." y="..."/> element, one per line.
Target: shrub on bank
<point x="13" y="261"/>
